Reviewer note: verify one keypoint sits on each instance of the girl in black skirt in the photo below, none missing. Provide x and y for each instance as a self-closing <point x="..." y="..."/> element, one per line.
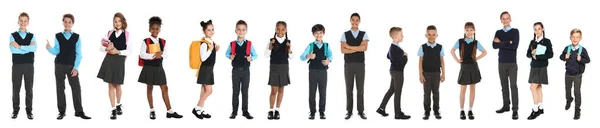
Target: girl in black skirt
<point x="279" y="50"/>
<point x="112" y="70"/>
<point x="151" y="57"/>
<point x="206" y="77"/>
<point x="540" y="51"/>
<point x="469" y="70"/>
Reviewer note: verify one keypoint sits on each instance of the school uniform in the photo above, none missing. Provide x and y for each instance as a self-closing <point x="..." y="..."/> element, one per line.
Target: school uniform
<point x="22" y="68"/>
<point x="354" y="69"/>
<point x="507" y="66"/>
<point x="206" y="74"/>
<point x="317" y="74"/>
<point x="152" y="72"/>
<point x="574" y="70"/>
<point x="469" y="69"/>
<point x="431" y="54"/>
<point x="240" y="74"/>
<point x="539" y="72"/>
<point x="279" y="73"/>
<point x="113" y="66"/>
<point x="67" y="49"/>
<point x="398" y="61"/>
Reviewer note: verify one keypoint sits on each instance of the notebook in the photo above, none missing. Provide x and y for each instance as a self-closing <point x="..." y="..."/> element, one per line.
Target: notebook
<point x="540" y="50"/>
<point x="153" y="48"/>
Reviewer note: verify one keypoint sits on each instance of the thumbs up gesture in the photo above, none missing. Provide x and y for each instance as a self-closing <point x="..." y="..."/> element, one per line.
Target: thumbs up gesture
<point x="48" y="45"/>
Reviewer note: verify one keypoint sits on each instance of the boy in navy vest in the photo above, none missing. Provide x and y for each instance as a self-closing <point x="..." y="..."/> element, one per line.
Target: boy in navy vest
<point x="431" y="65"/>
<point x="67" y="49"/>
<point x="507" y="41"/>
<point x="319" y="56"/>
<point x="22" y="46"/>
<point x="241" y="53"/>
<point x="575" y="56"/>
<point x="353" y="45"/>
<point x="398" y="59"/>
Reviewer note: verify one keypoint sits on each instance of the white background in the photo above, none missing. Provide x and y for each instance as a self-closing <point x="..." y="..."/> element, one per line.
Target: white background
<point x="181" y="25"/>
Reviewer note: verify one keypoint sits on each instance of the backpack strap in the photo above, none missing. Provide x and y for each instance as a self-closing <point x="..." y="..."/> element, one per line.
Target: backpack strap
<point x="233" y="45"/>
<point x="248" y="47"/>
<point x="326" y="45"/>
<point x="148" y="45"/>
<point x="162" y="42"/>
<point x="580" y="50"/>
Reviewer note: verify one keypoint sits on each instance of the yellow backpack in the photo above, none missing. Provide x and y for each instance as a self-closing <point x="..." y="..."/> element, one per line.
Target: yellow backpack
<point x="195" y="61"/>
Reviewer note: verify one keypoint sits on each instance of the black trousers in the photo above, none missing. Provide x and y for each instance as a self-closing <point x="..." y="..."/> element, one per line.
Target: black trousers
<point x="396" y="84"/>
<point x="355" y="71"/>
<point x="61" y="71"/>
<point x="240" y="78"/>
<point x="22" y="72"/>
<point x="570" y="81"/>
<point x="317" y="79"/>
<point x="506" y="71"/>
<point x="431" y="85"/>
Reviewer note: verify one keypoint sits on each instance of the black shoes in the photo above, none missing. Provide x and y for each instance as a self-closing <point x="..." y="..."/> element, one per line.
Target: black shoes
<point x="198" y="115"/>
<point x="311" y="116"/>
<point x="401" y="116"/>
<point x="568" y="105"/>
<point x="533" y="115"/>
<point x="174" y="115"/>
<point x="82" y="115"/>
<point x="276" y="116"/>
<point x="577" y="114"/>
<point x="14" y="114"/>
<point x="515" y="115"/>
<point x="233" y="115"/>
<point x="382" y="112"/>
<point x="426" y="115"/>
<point x="29" y="115"/>
<point x="152" y="115"/>
<point x="119" y="110"/>
<point x="113" y="115"/>
<point x="348" y="116"/>
<point x="437" y="114"/>
<point x="247" y="115"/>
<point x="463" y="116"/>
<point x="271" y="114"/>
<point x="502" y="110"/>
<point x="60" y="116"/>
<point x="471" y="117"/>
<point x="362" y="115"/>
<point x="322" y="115"/>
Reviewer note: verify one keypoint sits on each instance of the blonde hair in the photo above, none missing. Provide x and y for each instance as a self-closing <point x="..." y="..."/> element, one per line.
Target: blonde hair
<point x="575" y="31"/>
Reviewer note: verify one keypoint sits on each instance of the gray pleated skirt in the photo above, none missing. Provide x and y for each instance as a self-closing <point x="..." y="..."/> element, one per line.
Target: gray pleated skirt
<point x="469" y="74"/>
<point x="153" y="75"/>
<point x="279" y="75"/>
<point x="538" y="75"/>
<point x="112" y="69"/>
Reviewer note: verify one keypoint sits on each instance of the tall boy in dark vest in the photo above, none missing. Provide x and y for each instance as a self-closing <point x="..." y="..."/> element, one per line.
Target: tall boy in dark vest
<point x="431" y="65"/>
<point x="67" y="49"/>
<point x="241" y="53"/>
<point x="22" y="46"/>
<point x="507" y="41"/>
<point x="353" y="45"/>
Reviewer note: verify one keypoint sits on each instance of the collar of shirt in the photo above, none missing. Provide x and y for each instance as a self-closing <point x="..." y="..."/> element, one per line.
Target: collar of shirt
<point x="319" y="45"/>
<point x="155" y="40"/>
<point x="354" y="33"/>
<point x="469" y="41"/>
<point x="22" y="32"/>
<point x="397" y="44"/>
<point x="65" y="32"/>
<point x="539" y="38"/>
<point x="208" y="39"/>
<point x="575" y="48"/>
<point x="507" y="29"/>
<point x="118" y="32"/>
<point x="280" y="40"/>
<point x="240" y="43"/>
<point x="431" y="45"/>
